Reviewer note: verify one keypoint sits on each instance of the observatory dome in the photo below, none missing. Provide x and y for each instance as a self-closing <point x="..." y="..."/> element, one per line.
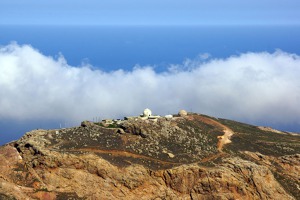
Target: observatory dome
<point x="147" y="112"/>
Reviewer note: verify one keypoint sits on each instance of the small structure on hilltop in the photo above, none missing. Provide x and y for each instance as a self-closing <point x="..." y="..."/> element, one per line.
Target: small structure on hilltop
<point x="182" y="113"/>
<point x="147" y="113"/>
<point x="168" y="116"/>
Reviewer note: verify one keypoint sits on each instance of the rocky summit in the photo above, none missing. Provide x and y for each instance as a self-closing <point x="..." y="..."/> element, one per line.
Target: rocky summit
<point x="186" y="156"/>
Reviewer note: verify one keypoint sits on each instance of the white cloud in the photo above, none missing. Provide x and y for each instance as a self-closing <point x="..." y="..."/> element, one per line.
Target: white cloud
<point x="251" y="87"/>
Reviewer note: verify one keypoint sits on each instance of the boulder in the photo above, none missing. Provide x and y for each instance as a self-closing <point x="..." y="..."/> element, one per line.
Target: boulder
<point x="86" y="124"/>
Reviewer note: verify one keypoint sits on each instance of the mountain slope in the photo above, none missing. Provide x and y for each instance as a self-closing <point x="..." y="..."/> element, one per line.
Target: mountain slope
<point x="183" y="157"/>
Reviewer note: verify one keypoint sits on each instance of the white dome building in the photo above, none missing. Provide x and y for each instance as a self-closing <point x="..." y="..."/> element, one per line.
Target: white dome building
<point x="147" y="112"/>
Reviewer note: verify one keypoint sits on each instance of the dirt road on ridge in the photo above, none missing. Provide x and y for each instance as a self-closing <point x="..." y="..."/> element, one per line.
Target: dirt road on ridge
<point x="224" y="139"/>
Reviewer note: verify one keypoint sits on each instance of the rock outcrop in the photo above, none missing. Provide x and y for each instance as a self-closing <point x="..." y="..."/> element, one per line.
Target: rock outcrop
<point x="168" y="159"/>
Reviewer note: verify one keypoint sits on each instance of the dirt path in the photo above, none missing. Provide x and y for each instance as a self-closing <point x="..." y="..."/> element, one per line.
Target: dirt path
<point x="224" y="139"/>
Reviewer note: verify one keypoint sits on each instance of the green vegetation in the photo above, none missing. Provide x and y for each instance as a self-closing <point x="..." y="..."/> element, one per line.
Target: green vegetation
<point x="113" y="125"/>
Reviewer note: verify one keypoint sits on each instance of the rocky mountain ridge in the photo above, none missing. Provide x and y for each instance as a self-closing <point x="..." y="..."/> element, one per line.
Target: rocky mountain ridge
<point x="184" y="157"/>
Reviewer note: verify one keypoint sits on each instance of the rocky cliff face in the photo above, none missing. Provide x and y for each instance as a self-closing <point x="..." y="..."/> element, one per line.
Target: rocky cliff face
<point x="189" y="157"/>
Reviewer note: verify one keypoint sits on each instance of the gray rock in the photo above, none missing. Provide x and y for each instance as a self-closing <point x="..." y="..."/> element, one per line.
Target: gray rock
<point x="86" y="124"/>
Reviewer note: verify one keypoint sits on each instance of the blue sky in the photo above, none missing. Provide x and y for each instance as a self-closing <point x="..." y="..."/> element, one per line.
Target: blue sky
<point x="146" y="12"/>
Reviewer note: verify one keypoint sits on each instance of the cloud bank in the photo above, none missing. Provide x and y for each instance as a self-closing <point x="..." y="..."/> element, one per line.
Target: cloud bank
<point x="260" y="88"/>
